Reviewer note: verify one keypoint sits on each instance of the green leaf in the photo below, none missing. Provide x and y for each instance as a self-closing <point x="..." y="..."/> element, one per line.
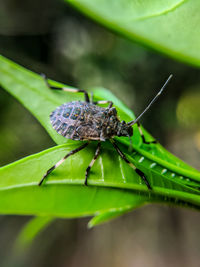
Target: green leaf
<point x="169" y="26"/>
<point x="104" y="216"/>
<point x="64" y="195"/>
<point x="114" y="187"/>
<point x="31" y="230"/>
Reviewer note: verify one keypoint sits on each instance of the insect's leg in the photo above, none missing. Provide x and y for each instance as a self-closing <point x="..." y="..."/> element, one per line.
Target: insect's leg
<point x="140" y="173"/>
<point x="62" y="160"/>
<point x="97" y="152"/>
<point x="73" y="90"/>
<point x="142" y="135"/>
<point x="104" y="102"/>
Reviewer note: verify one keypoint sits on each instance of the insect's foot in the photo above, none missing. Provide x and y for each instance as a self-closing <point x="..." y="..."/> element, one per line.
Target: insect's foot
<point x="42" y="180"/>
<point x="148" y="142"/>
<point x="141" y="174"/>
<point x="85" y="183"/>
<point x="148" y="185"/>
<point x="86" y="175"/>
<point x="46" y="174"/>
<point x="40" y="183"/>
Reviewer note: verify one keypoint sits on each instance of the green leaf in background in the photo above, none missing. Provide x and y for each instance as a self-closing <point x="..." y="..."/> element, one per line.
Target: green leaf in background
<point x="114" y="188"/>
<point x="32" y="228"/>
<point x="169" y="26"/>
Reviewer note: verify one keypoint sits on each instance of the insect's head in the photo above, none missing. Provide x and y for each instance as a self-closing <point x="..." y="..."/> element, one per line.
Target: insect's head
<point x="124" y="129"/>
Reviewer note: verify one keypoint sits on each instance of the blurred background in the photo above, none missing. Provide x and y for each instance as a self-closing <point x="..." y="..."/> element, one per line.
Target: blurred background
<point x="51" y="37"/>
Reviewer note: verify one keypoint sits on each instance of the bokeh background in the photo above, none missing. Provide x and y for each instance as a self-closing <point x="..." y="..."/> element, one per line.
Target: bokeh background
<point x="51" y="37"/>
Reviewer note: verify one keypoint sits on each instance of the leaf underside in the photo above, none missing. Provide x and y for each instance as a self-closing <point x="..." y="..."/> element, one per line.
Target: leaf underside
<point x="169" y="26"/>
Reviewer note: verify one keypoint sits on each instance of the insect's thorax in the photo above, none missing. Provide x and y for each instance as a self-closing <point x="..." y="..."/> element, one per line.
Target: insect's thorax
<point x="79" y="120"/>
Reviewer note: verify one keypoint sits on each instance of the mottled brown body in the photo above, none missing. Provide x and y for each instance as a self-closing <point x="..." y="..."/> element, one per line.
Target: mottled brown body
<point x="79" y="120"/>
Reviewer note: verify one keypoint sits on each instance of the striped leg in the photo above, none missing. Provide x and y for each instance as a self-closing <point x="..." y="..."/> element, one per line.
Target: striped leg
<point x="92" y="162"/>
<point x="104" y="102"/>
<point x="140" y="173"/>
<point x="142" y="135"/>
<point x="62" y="160"/>
<point x="73" y="90"/>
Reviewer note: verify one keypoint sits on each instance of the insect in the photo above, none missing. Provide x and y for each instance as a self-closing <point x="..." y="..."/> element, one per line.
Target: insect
<point x="85" y="121"/>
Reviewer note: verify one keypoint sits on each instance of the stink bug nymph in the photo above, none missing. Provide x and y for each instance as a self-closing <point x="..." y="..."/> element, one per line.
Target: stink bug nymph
<point x="85" y="121"/>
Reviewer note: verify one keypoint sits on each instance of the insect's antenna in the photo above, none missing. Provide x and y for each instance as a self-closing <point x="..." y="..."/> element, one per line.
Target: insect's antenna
<point x="151" y="103"/>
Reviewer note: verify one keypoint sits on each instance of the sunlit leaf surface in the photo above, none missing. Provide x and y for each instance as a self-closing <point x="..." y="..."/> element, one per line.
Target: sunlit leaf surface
<point x="169" y="26"/>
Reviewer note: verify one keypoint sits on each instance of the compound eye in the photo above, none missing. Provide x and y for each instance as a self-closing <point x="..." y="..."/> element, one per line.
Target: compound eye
<point x="112" y="111"/>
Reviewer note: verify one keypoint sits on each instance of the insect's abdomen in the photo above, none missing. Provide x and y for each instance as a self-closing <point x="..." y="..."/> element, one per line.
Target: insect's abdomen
<point x="78" y="120"/>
